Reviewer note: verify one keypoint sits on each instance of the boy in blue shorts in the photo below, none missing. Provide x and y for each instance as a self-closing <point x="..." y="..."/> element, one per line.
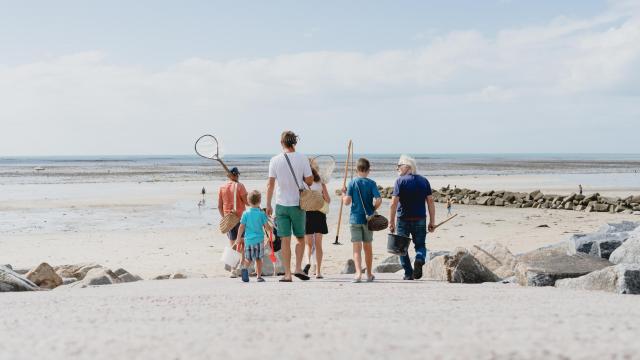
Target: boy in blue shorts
<point x="363" y="196"/>
<point x="251" y="233"/>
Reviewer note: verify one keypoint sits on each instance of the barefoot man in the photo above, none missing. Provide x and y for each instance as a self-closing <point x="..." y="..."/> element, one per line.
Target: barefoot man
<point x="290" y="218"/>
<point x="410" y="193"/>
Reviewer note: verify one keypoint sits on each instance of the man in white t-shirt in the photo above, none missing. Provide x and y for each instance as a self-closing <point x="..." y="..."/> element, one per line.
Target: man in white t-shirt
<point x="290" y="218"/>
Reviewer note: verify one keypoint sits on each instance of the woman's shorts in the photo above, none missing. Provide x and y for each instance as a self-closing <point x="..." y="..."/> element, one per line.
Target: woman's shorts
<point x="361" y="233"/>
<point x="254" y="252"/>
<point x="316" y="223"/>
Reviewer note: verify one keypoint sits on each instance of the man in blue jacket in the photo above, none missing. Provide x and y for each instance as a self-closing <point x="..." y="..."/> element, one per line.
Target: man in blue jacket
<point x="412" y="197"/>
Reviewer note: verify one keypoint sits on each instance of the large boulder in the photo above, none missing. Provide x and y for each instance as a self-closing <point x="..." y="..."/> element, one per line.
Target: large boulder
<point x="604" y="241"/>
<point x="12" y="281"/>
<point x="433" y="254"/>
<point x="495" y="257"/>
<point x="621" y="279"/>
<point x="629" y="252"/>
<point x="78" y="271"/>
<point x="389" y="265"/>
<point x="543" y="267"/>
<point x="44" y="276"/>
<point x="126" y="276"/>
<point x="349" y="267"/>
<point x="458" y="267"/>
<point x="96" y="277"/>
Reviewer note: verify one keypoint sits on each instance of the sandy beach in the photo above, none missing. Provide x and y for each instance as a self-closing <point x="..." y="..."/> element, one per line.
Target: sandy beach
<point x="328" y="319"/>
<point x="155" y="228"/>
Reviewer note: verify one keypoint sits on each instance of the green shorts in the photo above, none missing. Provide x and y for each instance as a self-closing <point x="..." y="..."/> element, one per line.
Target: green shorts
<point x="290" y="219"/>
<point x="361" y="233"/>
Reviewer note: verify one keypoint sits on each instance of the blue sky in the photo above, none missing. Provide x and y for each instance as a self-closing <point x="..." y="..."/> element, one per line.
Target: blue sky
<point x="148" y="77"/>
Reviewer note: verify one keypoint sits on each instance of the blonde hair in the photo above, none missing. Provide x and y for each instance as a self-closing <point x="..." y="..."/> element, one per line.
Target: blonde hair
<point x="409" y="161"/>
<point x="255" y="198"/>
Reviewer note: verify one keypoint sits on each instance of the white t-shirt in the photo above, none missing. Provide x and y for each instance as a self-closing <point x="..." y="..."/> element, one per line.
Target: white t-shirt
<point x="316" y="186"/>
<point x="288" y="193"/>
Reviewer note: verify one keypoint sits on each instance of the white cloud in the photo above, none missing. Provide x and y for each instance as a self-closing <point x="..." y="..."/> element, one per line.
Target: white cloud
<point x="81" y="103"/>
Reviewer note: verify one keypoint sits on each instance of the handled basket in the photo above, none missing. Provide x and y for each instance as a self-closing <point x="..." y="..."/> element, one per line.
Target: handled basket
<point x="311" y="200"/>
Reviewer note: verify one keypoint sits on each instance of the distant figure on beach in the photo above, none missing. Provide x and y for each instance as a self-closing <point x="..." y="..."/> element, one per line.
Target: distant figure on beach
<point x="449" y="205"/>
<point x="290" y="169"/>
<point x="580" y="189"/>
<point x="363" y="196"/>
<point x="203" y="201"/>
<point x="316" y="224"/>
<point x="226" y="193"/>
<point x="410" y="193"/>
<point x="251" y="236"/>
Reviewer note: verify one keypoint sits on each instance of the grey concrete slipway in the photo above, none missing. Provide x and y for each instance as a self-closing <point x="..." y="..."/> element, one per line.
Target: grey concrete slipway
<point x="223" y="318"/>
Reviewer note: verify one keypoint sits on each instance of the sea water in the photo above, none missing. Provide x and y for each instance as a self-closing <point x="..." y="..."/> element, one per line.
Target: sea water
<point x="595" y="168"/>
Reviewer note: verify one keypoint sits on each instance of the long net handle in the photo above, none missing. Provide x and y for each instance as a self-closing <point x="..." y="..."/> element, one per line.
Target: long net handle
<point x="344" y="184"/>
<point x="442" y="223"/>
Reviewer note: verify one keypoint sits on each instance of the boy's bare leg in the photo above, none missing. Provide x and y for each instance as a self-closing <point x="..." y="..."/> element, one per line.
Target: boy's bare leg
<point x="368" y="257"/>
<point x="318" y="242"/>
<point x="357" y="259"/>
<point x="259" y="268"/>
<point x="299" y="254"/>
<point x="286" y="257"/>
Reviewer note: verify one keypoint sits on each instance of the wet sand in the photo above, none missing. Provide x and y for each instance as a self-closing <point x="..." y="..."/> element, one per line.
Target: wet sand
<point x="157" y="228"/>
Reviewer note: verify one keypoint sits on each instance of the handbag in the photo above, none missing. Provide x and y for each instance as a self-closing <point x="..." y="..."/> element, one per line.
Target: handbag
<point x="231" y="256"/>
<point x="310" y="200"/>
<point x="230" y="220"/>
<point x="325" y="208"/>
<point x="375" y="222"/>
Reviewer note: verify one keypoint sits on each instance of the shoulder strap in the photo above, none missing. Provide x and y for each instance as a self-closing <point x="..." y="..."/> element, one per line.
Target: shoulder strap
<point x="355" y="182"/>
<point x="292" y="172"/>
<point x="235" y="196"/>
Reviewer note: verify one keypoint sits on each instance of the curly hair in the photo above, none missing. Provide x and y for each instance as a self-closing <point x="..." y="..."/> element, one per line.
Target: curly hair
<point x="288" y="139"/>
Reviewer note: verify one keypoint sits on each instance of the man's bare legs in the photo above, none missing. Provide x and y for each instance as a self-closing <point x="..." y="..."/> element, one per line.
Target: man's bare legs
<point x="299" y="255"/>
<point x="286" y="257"/>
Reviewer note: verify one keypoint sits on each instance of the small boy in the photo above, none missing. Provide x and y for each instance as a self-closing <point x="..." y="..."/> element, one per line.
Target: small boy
<point x="362" y="191"/>
<point x="251" y="234"/>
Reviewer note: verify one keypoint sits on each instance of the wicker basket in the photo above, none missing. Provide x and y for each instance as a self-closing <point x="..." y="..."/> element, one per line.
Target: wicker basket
<point x="311" y="200"/>
<point x="377" y="222"/>
<point x="228" y="222"/>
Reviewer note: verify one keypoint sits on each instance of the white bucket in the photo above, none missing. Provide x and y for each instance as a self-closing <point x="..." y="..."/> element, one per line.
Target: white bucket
<point x="230" y="257"/>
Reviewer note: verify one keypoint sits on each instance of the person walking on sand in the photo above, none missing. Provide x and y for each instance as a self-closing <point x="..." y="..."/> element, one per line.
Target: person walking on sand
<point x="449" y="205"/>
<point x="289" y="169"/>
<point x="316" y="224"/>
<point x="363" y="196"/>
<point x="580" y="188"/>
<point x="251" y="234"/>
<point x="226" y="193"/>
<point x="410" y="193"/>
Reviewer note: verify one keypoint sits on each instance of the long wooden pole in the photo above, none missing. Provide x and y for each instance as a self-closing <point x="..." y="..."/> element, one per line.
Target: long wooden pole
<point x="445" y="221"/>
<point x="344" y="184"/>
